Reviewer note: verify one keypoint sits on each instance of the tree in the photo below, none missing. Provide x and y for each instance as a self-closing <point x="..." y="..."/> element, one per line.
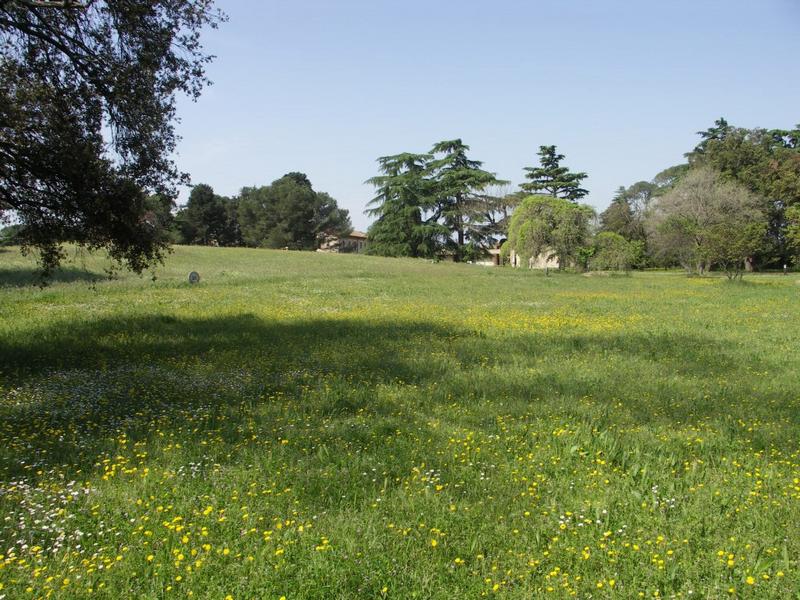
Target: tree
<point x="231" y="233"/>
<point x="204" y="218"/>
<point x="669" y="178"/>
<point x="329" y="220"/>
<point x="630" y="208"/>
<point x="289" y="213"/>
<point x="458" y="181"/>
<point x="492" y="212"/>
<point x="706" y="221"/>
<point x="550" y="227"/>
<point x="731" y="242"/>
<point x="627" y="213"/>
<point x="717" y="133"/>
<point x="158" y="215"/>
<point x="552" y="178"/>
<point x="87" y="110"/>
<point x="9" y="236"/>
<point x="620" y="218"/>
<point x="767" y="162"/>
<point x="613" y="252"/>
<point x="405" y="193"/>
<point x="793" y="230"/>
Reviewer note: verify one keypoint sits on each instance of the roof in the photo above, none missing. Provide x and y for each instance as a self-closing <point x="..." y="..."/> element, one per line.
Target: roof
<point x="357" y="234"/>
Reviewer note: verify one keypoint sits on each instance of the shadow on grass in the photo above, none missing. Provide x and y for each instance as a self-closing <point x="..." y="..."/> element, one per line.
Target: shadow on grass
<point x="78" y="385"/>
<point x="27" y="277"/>
<point x="369" y="350"/>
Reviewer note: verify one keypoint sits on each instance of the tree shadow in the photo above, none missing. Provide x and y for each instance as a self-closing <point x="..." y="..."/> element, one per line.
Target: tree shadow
<point x="680" y="353"/>
<point x="28" y="277"/>
<point x="372" y="351"/>
<point x="78" y="384"/>
<point x="72" y="387"/>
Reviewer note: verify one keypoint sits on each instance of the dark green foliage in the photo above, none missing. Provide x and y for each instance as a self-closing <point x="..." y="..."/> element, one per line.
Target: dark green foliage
<point x="427" y="206"/>
<point x="717" y="133"/>
<point x="793" y="231"/>
<point x="231" y="234"/>
<point x="159" y="215"/>
<point x="288" y="213"/>
<point x="405" y="193"/>
<point x="626" y="216"/>
<point x="552" y="178"/>
<point x="329" y="219"/>
<point x="496" y="209"/>
<point x="732" y="241"/>
<point x="71" y="75"/>
<point x="767" y="162"/>
<point x="668" y="178"/>
<point x="458" y="182"/>
<point x="204" y="218"/>
<point x="619" y="218"/>
<point x="630" y="209"/>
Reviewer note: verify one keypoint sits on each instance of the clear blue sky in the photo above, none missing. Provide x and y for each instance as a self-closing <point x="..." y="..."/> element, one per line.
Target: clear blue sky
<point x="620" y="86"/>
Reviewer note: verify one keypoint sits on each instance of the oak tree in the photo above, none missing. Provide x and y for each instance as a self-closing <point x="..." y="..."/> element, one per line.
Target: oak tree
<point x="87" y="113"/>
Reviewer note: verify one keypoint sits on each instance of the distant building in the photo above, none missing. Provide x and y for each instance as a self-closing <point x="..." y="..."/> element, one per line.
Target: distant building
<point x="355" y="242"/>
<point x="492" y="259"/>
<point x="537" y="262"/>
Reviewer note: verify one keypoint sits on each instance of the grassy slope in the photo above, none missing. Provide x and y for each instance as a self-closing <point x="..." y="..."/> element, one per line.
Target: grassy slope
<point x="322" y="426"/>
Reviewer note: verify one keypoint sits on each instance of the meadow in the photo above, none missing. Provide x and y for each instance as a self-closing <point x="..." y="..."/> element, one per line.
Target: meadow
<point x="301" y="425"/>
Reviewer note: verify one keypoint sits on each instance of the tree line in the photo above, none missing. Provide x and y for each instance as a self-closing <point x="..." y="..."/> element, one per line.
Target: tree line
<point x="444" y="203"/>
<point x="87" y="111"/>
<point x="734" y="205"/>
<point x="288" y="213"/>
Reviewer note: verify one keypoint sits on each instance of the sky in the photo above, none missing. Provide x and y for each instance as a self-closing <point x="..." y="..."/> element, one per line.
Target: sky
<point x="619" y="86"/>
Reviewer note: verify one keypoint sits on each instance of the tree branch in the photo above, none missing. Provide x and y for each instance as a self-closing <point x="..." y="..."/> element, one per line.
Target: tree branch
<point x="50" y="3"/>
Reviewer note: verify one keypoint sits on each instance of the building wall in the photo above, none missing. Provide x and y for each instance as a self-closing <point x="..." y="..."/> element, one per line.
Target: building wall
<point x="347" y="244"/>
<point x="538" y="262"/>
<point x="352" y="245"/>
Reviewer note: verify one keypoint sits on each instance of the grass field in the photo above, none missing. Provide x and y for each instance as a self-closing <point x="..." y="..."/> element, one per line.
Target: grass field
<point x="322" y="426"/>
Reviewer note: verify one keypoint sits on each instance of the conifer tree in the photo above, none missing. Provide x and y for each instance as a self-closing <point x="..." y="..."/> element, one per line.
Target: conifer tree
<point x="552" y="178"/>
<point x="404" y="197"/>
<point x="458" y="180"/>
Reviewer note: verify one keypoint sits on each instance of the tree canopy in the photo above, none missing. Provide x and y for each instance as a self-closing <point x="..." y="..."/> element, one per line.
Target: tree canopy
<point x="405" y="193"/>
<point x="708" y="221"/>
<point x="766" y="162"/>
<point x="209" y="219"/>
<point x="552" y="178"/>
<point x="551" y="227"/>
<point x="763" y="162"/>
<point x="428" y="204"/>
<point x="457" y="182"/>
<point x="87" y="112"/>
<point x="612" y="252"/>
<point x="289" y="213"/>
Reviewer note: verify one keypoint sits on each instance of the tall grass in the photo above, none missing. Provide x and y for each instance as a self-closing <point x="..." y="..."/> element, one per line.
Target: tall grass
<point x="323" y="426"/>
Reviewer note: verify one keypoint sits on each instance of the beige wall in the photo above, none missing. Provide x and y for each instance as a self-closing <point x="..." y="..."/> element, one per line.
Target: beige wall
<point x="538" y="262"/>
